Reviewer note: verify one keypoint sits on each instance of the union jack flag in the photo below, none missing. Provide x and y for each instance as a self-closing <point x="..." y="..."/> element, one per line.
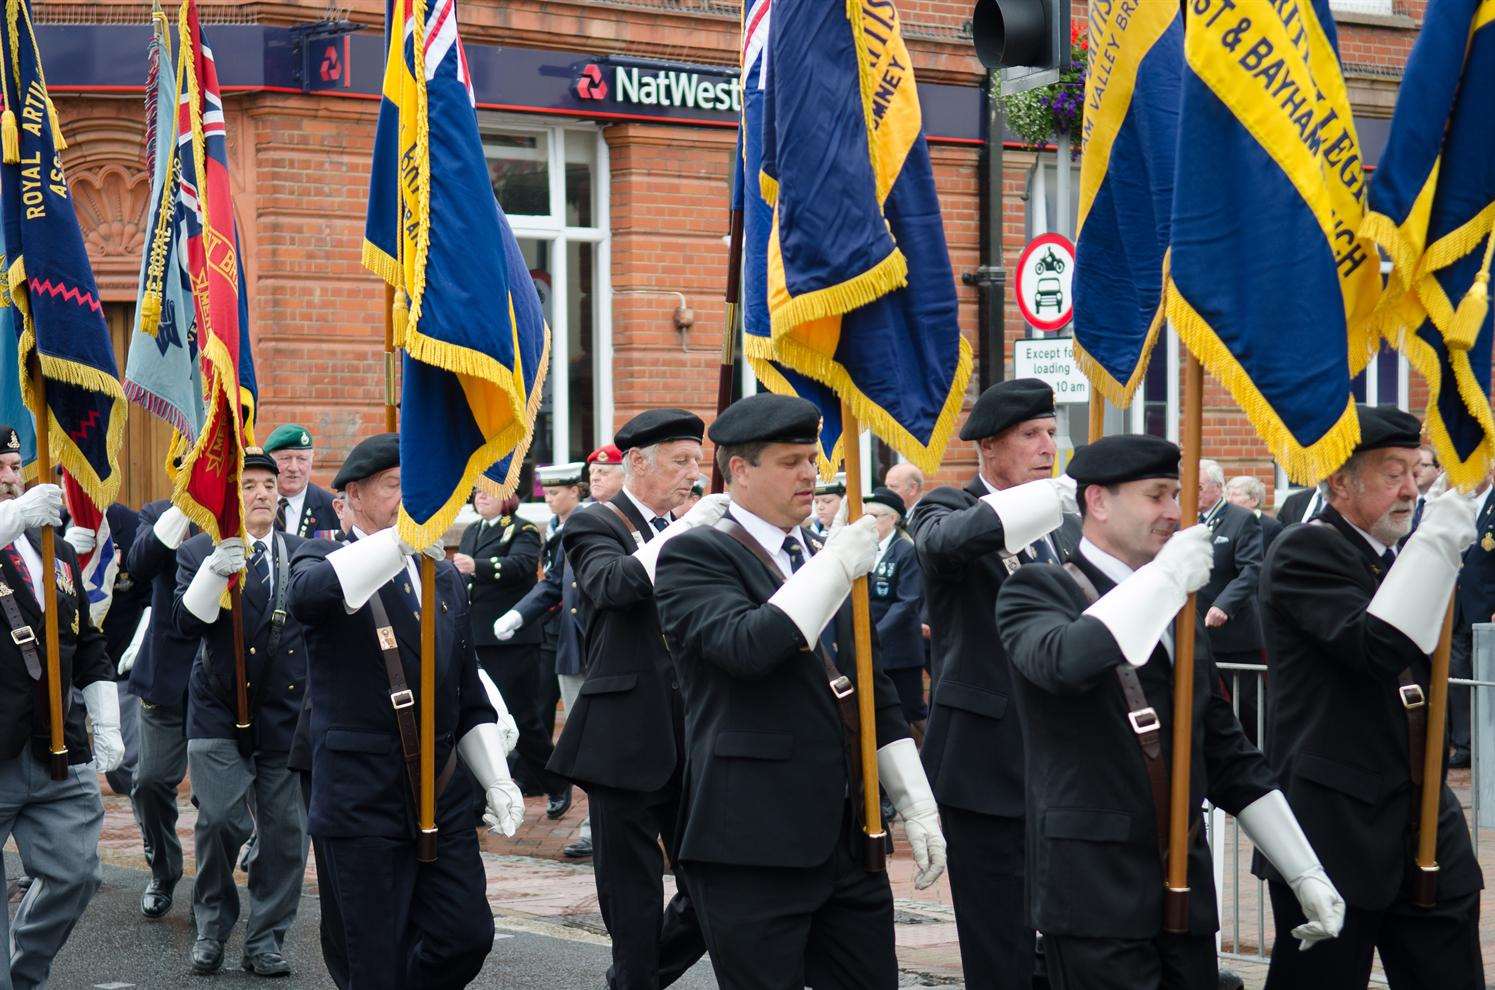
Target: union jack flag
<point x="755" y="21"/>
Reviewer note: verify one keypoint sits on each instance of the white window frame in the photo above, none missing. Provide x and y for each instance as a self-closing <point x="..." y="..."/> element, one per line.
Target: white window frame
<point x="1374" y="8"/>
<point x="559" y="235"/>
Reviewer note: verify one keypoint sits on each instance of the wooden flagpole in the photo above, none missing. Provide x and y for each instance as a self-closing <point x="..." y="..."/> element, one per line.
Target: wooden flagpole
<point x="391" y="404"/>
<point x="243" y="726"/>
<point x="1176" y="885"/>
<point x="1425" y="879"/>
<point x="861" y="617"/>
<point x="733" y="317"/>
<point x="58" y="756"/>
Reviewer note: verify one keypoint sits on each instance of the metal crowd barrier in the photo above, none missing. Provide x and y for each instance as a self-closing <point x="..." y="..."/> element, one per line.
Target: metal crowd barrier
<point x="1246" y="930"/>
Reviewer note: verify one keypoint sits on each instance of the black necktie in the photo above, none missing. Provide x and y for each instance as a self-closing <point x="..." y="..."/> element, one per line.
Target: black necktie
<point x="1388" y="558"/>
<point x="1042" y="552"/>
<point x="259" y="564"/>
<point x="796" y="552"/>
<point x="280" y="513"/>
<point x="659" y="523"/>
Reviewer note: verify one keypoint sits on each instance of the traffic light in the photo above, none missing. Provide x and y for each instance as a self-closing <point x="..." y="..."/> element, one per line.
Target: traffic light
<point x="1027" y="39"/>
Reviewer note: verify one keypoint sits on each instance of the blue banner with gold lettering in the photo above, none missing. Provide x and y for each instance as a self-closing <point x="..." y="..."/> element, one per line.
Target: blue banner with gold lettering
<point x="1432" y="205"/>
<point x="1270" y="280"/>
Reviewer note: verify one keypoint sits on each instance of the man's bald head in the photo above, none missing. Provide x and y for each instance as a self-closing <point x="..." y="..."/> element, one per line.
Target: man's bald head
<point x="907" y="481"/>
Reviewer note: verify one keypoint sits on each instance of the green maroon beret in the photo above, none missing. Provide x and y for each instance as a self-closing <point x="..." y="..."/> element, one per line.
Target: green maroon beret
<point x="288" y="436"/>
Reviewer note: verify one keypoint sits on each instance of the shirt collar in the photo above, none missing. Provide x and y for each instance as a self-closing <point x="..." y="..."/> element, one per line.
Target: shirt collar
<point x="1375" y="544"/>
<point x="649" y="514"/>
<point x="769" y="536"/>
<point x="1112" y="567"/>
<point x="293" y="507"/>
<point x="1214" y="510"/>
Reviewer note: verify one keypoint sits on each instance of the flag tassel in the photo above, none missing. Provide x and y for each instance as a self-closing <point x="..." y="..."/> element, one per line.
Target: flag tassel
<point x="10" y="137"/>
<point x="1474" y="307"/>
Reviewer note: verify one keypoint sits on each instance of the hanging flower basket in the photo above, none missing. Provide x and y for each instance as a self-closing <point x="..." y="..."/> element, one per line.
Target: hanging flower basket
<point x="1041" y="115"/>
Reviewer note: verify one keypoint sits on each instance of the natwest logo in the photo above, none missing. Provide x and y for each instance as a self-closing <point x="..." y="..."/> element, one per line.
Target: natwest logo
<point x="678" y="88"/>
<point x="590" y="85"/>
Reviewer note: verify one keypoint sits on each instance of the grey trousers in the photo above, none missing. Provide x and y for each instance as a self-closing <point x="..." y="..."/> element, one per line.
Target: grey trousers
<point x="56" y="826"/>
<point x="570" y="691"/>
<point x="163" y="764"/>
<point x="222" y="782"/>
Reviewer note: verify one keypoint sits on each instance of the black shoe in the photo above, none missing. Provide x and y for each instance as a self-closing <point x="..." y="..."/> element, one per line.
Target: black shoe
<point x="156" y="900"/>
<point x="558" y="805"/>
<point x="580" y="849"/>
<point x="207" y="956"/>
<point x="1458" y="758"/>
<point x="1230" y="981"/>
<point x="266" y="964"/>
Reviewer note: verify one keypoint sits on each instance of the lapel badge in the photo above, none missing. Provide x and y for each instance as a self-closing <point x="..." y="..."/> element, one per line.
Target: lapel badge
<point x="386" y="637"/>
<point x="64" y="577"/>
<point x="1488" y="543"/>
<point x="75" y="623"/>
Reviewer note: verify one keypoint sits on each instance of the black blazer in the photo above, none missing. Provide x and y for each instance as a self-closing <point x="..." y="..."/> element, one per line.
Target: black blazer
<point x="359" y="785"/>
<point x="624" y="732"/>
<point x="1270" y="530"/>
<point x="895" y="589"/>
<point x="1236" y="535"/>
<point x="766" y="773"/>
<point x="1092" y="831"/>
<point x="277" y="683"/>
<point x="318" y="518"/>
<point x="1294" y="506"/>
<point x="1476" y="594"/>
<point x="506" y="557"/>
<point x="973" y="749"/>
<point x="165" y="659"/>
<point x="130" y="595"/>
<point x="553" y="605"/>
<point x="82" y="658"/>
<point x="1336" y="731"/>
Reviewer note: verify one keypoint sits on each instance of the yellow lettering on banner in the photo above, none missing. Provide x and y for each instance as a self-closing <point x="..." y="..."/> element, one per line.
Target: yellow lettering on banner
<point x="1122" y="32"/>
<point x="890" y="103"/>
<point x="1271" y="64"/>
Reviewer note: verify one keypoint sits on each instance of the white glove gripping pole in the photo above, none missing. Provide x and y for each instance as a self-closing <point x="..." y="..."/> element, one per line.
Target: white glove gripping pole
<point x="903" y="777"/>
<point x="171" y="529"/>
<point x="1140" y="609"/>
<point x="507" y="727"/>
<point x="1413" y="597"/>
<point x="482" y="752"/>
<point x="203" y="595"/>
<point x="706" y="512"/>
<point x="101" y="698"/>
<point x="812" y="595"/>
<point x="1027" y="511"/>
<point x="1271" y="826"/>
<point x="364" y="565"/>
<point x="39" y="505"/>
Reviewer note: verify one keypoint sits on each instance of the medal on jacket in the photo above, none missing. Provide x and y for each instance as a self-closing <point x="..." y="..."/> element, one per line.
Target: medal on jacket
<point x="75" y="622"/>
<point x="64" y="577"/>
<point x="1488" y="543"/>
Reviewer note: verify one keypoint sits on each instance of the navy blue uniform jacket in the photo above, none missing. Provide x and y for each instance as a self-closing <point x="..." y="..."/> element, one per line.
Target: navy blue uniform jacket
<point x="165" y="659"/>
<point x="896" y="590"/>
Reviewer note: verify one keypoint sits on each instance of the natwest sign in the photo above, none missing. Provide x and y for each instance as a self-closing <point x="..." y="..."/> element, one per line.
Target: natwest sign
<point x="641" y="83"/>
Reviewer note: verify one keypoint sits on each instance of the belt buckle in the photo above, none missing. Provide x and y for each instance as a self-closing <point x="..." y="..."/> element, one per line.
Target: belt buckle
<point x="278" y="617"/>
<point x="1412" y="696"/>
<point x="1144" y="720"/>
<point x="842" y="687"/>
<point x="24" y="636"/>
<point x="402" y="699"/>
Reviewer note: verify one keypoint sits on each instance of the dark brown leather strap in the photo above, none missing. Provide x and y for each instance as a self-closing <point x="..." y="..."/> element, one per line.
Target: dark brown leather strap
<point x="1144" y="722"/>
<point x="1415" y="703"/>
<point x="628" y="522"/>
<point x="21" y="634"/>
<point x="401" y="698"/>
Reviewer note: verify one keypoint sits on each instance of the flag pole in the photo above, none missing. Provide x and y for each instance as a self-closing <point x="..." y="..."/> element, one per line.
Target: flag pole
<point x="391" y="406"/>
<point x="1097" y="412"/>
<point x="243" y="732"/>
<point x="425" y="850"/>
<point x="861" y="617"/>
<point x="57" y="763"/>
<point x="733" y="313"/>
<point x="1425" y="880"/>
<point x="1176" y="886"/>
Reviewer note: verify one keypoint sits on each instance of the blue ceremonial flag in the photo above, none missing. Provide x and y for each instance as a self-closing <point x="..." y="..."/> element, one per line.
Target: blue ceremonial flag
<point x="13" y="411"/>
<point x="851" y="287"/>
<point x="60" y="317"/>
<point x="1432" y="204"/>
<point x="466" y="312"/>
<point x="1129" y="143"/>
<point x="1269" y="280"/>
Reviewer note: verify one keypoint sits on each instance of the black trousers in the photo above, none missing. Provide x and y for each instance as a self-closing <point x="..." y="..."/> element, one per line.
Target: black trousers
<point x="986" y="871"/>
<point x="1433" y="949"/>
<point x="1460" y="664"/>
<point x="330" y="932"/>
<point x="653" y="942"/>
<point x="776" y="928"/>
<point x="410" y="925"/>
<point x="1166" y="962"/>
<point x="910" y="684"/>
<point x="515" y="671"/>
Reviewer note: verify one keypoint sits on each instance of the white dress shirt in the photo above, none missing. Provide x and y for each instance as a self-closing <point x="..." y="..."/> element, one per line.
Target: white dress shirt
<point x="1118" y="570"/>
<point x="769" y="536"/>
<point x="294" y="504"/>
<point x="649" y="514"/>
<point x="33" y="563"/>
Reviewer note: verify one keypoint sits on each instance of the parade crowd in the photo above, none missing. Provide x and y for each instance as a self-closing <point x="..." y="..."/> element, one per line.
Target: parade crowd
<point x="702" y="649"/>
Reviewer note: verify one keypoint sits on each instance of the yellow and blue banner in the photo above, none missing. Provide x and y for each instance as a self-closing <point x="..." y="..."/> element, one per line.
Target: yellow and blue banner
<point x="59" y="315"/>
<point x="849" y="294"/>
<point x="467" y="315"/>
<point x="1129" y="142"/>
<point x="1432" y="207"/>
<point x="1270" y="279"/>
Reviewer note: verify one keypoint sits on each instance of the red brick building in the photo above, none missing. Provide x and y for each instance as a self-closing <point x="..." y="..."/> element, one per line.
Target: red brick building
<point x="608" y="127"/>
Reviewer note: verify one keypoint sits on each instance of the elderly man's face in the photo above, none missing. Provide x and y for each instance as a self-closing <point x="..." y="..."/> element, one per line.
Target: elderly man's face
<point x="11" y="482"/>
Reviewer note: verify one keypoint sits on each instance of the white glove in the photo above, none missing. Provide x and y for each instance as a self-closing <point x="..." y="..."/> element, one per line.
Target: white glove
<point x="812" y="595"/>
<point x="436" y="551"/>
<point x="81" y="539"/>
<point x="1028" y="511"/>
<point x="1138" y="610"/>
<point x="102" y="700"/>
<point x="903" y="777"/>
<point x="1413" y="597"/>
<point x="1271" y="826"/>
<point x="127" y="658"/>
<point x="227" y="558"/>
<point x="363" y="566"/>
<point x="507" y="727"/>
<point x="506" y="625"/>
<point x="205" y="592"/>
<point x="171" y="529"/>
<point x="482" y="751"/>
<point x="1065" y="488"/>
<point x="704" y="513"/>
<point x="39" y="505"/>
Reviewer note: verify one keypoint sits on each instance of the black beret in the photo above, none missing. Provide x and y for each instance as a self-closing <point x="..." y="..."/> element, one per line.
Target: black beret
<point x="888" y="497"/>
<point x="1382" y="427"/>
<point x="1124" y="457"/>
<point x="255" y="457"/>
<point x="659" y="426"/>
<point x="1007" y="404"/>
<point x="10" y="441"/>
<point x="766" y="418"/>
<point x="377" y="453"/>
